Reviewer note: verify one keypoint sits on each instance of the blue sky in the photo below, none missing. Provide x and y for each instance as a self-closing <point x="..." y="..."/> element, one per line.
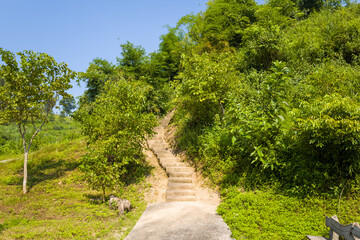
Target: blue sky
<point x="77" y="31"/>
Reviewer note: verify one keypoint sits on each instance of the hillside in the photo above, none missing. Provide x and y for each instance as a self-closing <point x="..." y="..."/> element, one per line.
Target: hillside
<point x="60" y="204"/>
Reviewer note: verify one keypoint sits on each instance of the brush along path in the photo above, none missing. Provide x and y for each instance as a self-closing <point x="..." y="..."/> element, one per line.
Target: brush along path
<point x="190" y="211"/>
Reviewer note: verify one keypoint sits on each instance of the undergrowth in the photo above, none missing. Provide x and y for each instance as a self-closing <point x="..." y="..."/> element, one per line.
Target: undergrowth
<point x="257" y="204"/>
<point x="59" y="204"/>
<point x="265" y="214"/>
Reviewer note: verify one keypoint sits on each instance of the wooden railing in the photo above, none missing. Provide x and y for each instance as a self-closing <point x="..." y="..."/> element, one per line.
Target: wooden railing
<point x="348" y="232"/>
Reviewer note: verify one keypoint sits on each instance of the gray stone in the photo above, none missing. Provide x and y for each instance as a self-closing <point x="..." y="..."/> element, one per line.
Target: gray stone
<point x="121" y="204"/>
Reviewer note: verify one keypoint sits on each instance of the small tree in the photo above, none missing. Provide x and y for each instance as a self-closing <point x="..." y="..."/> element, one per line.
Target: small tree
<point x="68" y="105"/>
<point x="98" y="72"/>
<point x="133" y="59"/>
<point x="116" y="124"/>
<point x="29" y="91"/>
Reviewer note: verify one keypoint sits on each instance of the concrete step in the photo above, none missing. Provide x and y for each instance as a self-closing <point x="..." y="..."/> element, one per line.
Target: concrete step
<point x="159" y="146"/>
<point x="180" y="193"/>
<point x="162" y="151"/>
<point x="178" y="186"/>
<point x="180" y="174"/>
<point x="164" y="155"/>
<point x="157" y="143"/>
<point x="156" y="137"/>
<point x="178" y="169"/>
<point x="162" y="145"/>
<point x="180" y="180"/>
<point x="171" y="159"/>
<point x="180" y="198"/>
<point x="165" y="164"/>
<point x="168" y="164"/>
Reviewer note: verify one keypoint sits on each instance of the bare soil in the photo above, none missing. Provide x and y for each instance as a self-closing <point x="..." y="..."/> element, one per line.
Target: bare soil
<point x="158" y="180"/>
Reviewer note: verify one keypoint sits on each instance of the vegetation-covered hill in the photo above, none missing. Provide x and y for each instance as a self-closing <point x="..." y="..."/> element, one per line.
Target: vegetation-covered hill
<point x="267" y="107"/>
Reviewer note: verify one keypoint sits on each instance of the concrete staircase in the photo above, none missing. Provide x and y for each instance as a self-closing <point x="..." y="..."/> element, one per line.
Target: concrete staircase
<point x="180" y="183"/>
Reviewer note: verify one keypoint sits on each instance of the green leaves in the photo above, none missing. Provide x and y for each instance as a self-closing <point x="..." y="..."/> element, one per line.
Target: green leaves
<point x="328" y="131"/>
<point x="224" y="22"/>
<point x="116" y="125"/>
<point x="98" y="72"/>
<point x="207" y="79"/>
<point x="133" y="59"/>
<point x="30" y="86"/>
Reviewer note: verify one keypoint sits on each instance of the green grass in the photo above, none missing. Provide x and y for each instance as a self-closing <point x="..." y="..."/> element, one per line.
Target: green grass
<point x="270" y="215"/>
<point x="56" y="130"/>
<point x="59" y="204"/>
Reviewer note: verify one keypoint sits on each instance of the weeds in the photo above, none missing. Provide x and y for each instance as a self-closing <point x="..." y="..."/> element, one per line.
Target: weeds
<point x="269" y="215"/>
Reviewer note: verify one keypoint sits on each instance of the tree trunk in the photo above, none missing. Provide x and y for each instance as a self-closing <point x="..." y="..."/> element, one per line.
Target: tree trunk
<point x="25" y="171"/>
<point x="222" y="108"/>
<point x="103" y="188"/>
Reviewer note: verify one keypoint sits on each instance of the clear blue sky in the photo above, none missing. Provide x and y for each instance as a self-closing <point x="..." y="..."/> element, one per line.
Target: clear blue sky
<point x="77" y="31"/>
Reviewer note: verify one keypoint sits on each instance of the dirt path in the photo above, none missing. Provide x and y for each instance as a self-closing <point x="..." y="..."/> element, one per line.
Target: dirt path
<point x="158" y="180"/>
<point x="9" y="160"/>
<point x="167" y="217"/>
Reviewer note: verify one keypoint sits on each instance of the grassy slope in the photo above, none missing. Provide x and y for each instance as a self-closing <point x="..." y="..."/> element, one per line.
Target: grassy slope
<point x="56" y="130"/>
<point x="270" y="215"/>
<point x="59" y="204"/>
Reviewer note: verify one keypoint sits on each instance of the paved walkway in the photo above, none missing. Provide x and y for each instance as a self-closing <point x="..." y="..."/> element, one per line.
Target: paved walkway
<point x="180" y="221"/>
<point x="181" y="217"/>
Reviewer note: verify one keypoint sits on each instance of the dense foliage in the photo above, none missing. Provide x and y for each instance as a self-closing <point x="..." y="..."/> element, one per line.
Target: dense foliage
<point x="268" y="108"/>
<point x="273" y="96"/>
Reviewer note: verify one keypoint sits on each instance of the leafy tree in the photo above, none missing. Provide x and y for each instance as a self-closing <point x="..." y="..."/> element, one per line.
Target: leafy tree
<point x="207" y="80"/>
<point x="286" y="8"/>
<point x="116" y="125"/>
<point x="30" y="91"/>
<point x="323" y="36"/>
<point x="310" y="5"/>
<point x="133" y="59"/>
<point x="68" y="105"/>
<point x="225" y="21"/>
<point x="98" y="72"/>
<point x="170" y="53"/>
<point x="261" y="47"/>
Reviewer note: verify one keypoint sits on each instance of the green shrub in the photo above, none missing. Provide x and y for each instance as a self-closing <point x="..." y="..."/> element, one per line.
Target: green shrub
<point x="325" y="149"/>
<point x="329" y="34"/>
<point x="270" y="215"/>
<point x="116" y="124"/>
